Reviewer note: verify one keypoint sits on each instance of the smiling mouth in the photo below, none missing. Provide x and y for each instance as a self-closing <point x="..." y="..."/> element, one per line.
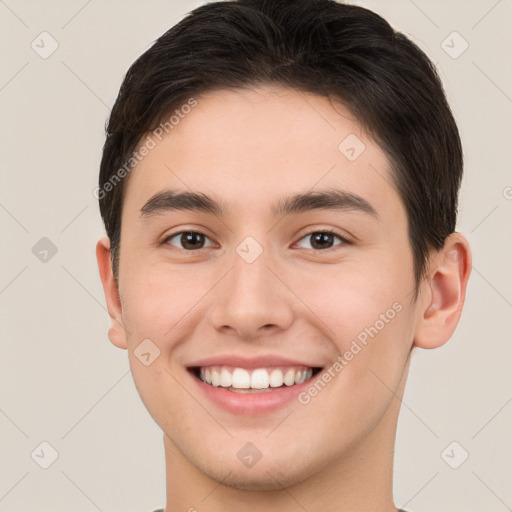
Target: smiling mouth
<point x="257" y="380"/>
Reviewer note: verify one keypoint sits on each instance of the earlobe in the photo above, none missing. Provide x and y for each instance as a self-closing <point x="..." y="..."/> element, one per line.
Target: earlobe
<point x="440" y="314"/>
<point x="117" y="331"/>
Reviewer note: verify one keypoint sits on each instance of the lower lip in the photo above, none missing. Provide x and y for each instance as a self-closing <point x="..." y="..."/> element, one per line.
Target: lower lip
<point x="251" y="404"/>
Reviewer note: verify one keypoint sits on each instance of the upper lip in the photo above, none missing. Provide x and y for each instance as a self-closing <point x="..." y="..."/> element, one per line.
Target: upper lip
<point x="251" y="362"/>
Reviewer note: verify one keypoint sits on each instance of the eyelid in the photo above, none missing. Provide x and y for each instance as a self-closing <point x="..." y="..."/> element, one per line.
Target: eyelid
<point x="319" y="229"/>
<point x="332" y="231"/>
<point x="345" y="240"/>
<point x="166" y="238"/>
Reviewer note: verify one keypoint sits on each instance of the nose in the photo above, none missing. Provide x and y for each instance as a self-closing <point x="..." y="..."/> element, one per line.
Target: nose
<point x="253" y="300"/>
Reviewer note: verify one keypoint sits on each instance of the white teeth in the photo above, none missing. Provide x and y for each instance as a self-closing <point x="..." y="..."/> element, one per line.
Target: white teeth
<point x="276" y="378"/>
<point x="241" y="378"/>
<point x="225" y="378"/>
<point x="260" y="378"/>
<point x="215" y="378"/>
<point x="289" y="378"/>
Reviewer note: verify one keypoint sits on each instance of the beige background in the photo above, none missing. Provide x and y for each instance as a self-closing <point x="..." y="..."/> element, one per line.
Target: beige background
<point x="63" y="382"/>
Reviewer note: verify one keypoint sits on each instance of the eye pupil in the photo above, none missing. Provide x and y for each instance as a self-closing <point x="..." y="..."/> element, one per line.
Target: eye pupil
<point x="187" y="240"/>
<point x="320" y="238"/>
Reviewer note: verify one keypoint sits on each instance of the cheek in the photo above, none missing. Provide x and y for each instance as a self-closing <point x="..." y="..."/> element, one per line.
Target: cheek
<point x="365" y="312"/>
<point x="156" y="300"/>
<point x="352" y="298"/>
<point x="159" y="306"/>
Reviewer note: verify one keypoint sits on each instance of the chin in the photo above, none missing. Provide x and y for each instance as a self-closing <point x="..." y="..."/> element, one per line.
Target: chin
<point x="256" y="479"/>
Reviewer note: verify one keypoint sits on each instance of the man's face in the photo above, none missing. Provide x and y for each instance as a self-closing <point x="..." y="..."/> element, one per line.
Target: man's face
<point x="253" y="282"/>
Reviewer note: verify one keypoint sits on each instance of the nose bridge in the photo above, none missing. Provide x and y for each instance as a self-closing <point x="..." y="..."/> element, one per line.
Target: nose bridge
<point x="251" y="297"/>
<point x="250" y="274"/>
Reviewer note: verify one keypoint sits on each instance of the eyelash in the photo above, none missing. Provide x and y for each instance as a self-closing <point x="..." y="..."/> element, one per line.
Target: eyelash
<point x="323" y="231"/>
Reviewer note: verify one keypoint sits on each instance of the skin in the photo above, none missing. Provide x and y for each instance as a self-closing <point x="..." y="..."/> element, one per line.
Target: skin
<point x="250" y="148"/>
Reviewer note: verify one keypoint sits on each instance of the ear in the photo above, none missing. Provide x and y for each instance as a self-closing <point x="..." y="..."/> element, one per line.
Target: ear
<point x="117" y="332"/>
<point x="444" y="293"/>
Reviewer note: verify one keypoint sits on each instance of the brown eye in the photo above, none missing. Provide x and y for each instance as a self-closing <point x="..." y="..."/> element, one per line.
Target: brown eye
<point x="322" y="239"/>
<point x="189" y="240"/>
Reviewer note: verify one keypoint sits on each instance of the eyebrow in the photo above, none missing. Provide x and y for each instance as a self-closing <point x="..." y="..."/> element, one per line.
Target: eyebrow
<point x="331" y="199"/>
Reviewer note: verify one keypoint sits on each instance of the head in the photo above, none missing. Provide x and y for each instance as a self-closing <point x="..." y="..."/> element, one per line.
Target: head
<point x="266" y="108"/>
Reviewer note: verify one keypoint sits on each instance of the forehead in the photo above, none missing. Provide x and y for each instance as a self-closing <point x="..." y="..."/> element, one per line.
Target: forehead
<point x="250" y="146"/>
